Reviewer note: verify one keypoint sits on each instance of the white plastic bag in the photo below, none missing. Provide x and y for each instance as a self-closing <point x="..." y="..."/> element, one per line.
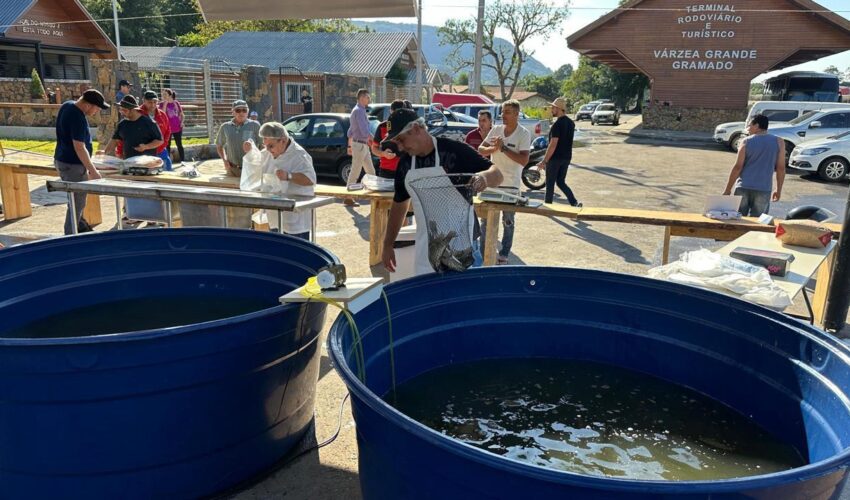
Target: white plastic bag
<point x="252" y="169"/>
<point x="375" y="183"/>
<point x="706" y="269"/>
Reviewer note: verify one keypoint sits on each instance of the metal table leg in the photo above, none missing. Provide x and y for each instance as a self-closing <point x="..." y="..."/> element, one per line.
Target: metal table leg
<point x="168" y="213"/>
<point x="809" y="307"/>
<point x="118" y="213"/>
<point x="223" y="216"/>
<point x="313" y="226"/>
<point x="72" y="208"/>
<point x="280" y="222"/>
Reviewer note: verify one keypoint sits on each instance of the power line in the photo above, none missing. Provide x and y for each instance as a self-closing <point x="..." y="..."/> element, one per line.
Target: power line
<point x="107" y="20"/>
<point x="470" y="6"/>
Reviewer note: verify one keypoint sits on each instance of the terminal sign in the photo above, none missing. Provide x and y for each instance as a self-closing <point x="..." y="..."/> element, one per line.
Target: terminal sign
<point x="707" y="21"/>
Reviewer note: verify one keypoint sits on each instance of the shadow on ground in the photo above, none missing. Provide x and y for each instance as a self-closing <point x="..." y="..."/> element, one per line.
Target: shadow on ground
<point x="610" y="244"/>
<point x="299" y="477"/>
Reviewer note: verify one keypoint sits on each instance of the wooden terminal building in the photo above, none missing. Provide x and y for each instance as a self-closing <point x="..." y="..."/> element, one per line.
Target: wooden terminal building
<point x="701" y="56"/>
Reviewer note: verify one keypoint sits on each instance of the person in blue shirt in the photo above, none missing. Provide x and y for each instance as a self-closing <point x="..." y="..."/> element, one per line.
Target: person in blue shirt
<point x="72" y="157"/>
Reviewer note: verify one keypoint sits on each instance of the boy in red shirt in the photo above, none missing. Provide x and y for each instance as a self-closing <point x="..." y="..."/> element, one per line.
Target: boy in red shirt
<point x="388" y="159"/>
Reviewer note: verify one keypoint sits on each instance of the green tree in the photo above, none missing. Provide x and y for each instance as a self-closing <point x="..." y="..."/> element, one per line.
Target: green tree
<point x="462" y="78"/>
<point x="36" y="87"/>
<point x="756" y="89"/>
<point x="832" y="70"/>
<point x="564" y="73"/>
<point x="548" y="86"/>
<point x="140" y="21"/>
<point x="594" y="80"/>
<point x="523" y="20"/>
<point x="203" y="33"/>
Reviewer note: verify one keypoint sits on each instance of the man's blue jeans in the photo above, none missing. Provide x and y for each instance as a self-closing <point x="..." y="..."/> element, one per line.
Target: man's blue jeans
<point x="508" y="225"/>
<point x="753" y="203"/>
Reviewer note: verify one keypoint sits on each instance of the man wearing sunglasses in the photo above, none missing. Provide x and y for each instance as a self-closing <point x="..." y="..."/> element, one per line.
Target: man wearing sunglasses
<point x="233" y="134"/>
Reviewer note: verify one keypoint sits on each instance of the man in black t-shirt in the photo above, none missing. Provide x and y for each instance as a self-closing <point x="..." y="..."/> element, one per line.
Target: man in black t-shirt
<point x="408" y="134"/>
<point x="559" y="153"/>
<point x="140" y="135"/>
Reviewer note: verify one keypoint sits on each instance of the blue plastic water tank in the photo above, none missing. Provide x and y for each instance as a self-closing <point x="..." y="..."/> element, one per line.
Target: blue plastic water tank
<point x="178" y="412"/>
<point x="790" y="378"/>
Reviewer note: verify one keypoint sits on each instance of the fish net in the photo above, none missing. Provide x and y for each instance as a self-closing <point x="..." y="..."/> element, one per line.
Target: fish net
<point x="447" y="209"/>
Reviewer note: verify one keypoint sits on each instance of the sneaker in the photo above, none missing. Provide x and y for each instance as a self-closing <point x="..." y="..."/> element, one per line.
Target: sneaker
<point x="83" y="226"/>
<point x="349" y="202"/>
<point x="578" y="204"/>
<point x="501" y="261"/>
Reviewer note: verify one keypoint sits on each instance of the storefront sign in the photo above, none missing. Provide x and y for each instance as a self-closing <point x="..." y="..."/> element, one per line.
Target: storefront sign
<point x="707" y="21"/>
<point x="41" y="28"/>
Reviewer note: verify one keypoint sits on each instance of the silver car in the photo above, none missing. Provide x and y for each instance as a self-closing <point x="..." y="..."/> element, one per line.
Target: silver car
<point x="605" y="113"/>
<point x="812" y="126"/>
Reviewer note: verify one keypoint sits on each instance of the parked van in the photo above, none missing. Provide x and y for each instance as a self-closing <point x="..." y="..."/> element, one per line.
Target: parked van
<point x="447" y="99"/>
<point x="778" y="112"/>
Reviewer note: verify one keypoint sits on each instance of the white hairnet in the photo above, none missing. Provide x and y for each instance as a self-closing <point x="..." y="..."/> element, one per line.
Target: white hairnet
<point x="273" y="130"/>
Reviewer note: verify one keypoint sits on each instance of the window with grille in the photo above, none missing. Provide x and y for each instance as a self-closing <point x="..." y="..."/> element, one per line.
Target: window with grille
<point x="216" y="91"/>
<point x="16" y="63"/>
<point x="293" y="92"/>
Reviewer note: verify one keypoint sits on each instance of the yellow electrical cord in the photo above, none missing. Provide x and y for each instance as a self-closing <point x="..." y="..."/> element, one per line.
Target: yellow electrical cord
<point x="313" y="291"/>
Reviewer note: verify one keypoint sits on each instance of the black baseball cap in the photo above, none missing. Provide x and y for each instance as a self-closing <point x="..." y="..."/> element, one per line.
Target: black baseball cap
<point x="124" y="82"/>
<point x="150" y="95"/>
<point x="92" y="96"/>
<point x="129" y="102"/>
<point x="398" y="120"/>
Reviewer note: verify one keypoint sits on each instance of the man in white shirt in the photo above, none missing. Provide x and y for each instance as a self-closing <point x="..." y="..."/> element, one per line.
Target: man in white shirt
<point x="287" y="170"/>
<point x="508" y="146"/>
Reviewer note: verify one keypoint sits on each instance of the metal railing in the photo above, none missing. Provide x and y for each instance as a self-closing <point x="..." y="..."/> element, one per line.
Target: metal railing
<point x="205" y="89"/>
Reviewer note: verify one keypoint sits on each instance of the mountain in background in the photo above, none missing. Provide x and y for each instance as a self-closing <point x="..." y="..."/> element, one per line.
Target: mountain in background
<point x="437" y="54"/>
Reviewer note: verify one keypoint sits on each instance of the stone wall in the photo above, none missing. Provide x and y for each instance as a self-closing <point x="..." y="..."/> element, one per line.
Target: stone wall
<point x="17" y="90"/>
<point x="341" y="92"/>
<point x="257" y="91"/>
<point x="106" y="73"/>
<point x="689" y="119"/>
<point x="34" y="115"/>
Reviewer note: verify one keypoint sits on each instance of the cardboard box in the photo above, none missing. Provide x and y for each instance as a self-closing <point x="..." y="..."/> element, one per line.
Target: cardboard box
<point x="776" y="263"/>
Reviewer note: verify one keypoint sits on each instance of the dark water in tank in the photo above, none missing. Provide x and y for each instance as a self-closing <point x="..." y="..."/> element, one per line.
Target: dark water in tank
<point x="591" y="418"/>
<point x="138" y="314"/>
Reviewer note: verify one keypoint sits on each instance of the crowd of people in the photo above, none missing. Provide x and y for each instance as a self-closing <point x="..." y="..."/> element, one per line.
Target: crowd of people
<point x="493" y="155"/>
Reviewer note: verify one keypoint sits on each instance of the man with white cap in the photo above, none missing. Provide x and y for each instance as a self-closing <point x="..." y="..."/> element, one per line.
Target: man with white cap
<point x="232" y="134"/>
<point x="287" y="170"/>
<point x="423" y="157"/>
<point x="559" y="154"/>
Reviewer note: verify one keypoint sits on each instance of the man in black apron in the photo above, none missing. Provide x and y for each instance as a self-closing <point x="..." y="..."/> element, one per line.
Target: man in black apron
<point x="424" y="156"/>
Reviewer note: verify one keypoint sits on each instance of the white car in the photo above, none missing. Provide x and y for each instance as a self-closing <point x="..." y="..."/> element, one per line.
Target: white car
<point x="730" y="133"/>
<point x="830" y="158"/>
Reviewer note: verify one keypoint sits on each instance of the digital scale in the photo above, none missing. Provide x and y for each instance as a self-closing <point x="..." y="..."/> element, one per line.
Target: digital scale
<point x="507" y="195"/>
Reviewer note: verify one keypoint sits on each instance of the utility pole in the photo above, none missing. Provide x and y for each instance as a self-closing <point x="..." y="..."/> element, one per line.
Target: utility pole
<point x="117" y="34"/>
<point x="418" y="99"/>
<point x="475" y="82"/>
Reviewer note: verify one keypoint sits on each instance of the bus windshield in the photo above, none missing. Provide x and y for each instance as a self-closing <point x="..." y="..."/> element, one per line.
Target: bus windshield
<point x="802" y="87"/>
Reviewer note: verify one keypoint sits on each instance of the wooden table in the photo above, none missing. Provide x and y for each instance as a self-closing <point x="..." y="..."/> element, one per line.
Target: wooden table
<point x="15" y="190"/>
<point x="807" y="262"/>
<point x="675" y="223"/>
<point x="14" y="187"/>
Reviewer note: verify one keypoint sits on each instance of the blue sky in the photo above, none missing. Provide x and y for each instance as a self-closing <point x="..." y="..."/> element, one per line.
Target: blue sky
<point x="554" y="51"/>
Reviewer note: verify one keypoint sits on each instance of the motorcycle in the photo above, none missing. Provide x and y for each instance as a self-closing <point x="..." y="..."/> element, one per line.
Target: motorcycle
<point x="532" y="178"/>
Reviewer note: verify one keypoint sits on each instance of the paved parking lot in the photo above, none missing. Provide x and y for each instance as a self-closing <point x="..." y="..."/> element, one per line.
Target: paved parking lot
<point x="611" y="171"/>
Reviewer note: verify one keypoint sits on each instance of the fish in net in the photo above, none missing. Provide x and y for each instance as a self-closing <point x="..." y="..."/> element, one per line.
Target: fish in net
<point x="446" y="203"/>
